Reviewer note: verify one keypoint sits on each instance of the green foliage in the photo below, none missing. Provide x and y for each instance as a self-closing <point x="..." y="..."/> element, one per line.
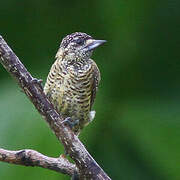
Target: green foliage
<point x="135" y="134"/>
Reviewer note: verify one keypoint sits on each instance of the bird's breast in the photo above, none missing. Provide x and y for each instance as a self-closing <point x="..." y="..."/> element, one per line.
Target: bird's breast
<point x="79" y="82"/>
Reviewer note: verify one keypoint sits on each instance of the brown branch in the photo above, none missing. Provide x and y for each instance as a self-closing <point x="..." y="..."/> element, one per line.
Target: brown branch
<point x="87" y="166"/>
<point x="28" y="157"/>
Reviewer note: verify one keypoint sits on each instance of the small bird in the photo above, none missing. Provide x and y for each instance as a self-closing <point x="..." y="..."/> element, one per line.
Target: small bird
<point x="73" y="80"/>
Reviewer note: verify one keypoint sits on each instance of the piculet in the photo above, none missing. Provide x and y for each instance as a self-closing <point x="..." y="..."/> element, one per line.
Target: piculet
<point x="73" y="80"/>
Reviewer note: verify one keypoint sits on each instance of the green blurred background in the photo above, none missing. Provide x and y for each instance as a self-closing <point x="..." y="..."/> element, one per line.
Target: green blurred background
<point x="136" y="132"/>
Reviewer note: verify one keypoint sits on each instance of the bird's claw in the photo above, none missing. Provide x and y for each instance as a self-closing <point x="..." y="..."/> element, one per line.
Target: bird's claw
<point x="37" y="81"/>
<point x="69" y="122"/>
<point x="33" y="81"/>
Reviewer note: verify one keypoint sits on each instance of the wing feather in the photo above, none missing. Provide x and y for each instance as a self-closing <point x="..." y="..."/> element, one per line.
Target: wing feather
<point x="96" y="80"/>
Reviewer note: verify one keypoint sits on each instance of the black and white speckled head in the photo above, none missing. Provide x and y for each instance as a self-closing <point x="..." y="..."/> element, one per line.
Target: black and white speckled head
<point x="75" y="39"/>
<point x="78" y="45"/>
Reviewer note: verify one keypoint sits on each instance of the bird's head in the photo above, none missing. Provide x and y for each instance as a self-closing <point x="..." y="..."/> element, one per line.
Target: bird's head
<point x="78" y="46"/>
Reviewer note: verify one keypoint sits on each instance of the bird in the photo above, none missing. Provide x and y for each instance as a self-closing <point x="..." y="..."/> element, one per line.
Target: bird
<point x="73" y="80"/>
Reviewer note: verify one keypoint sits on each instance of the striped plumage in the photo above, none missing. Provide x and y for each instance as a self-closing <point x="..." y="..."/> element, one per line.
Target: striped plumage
<point x="73" y="79"/>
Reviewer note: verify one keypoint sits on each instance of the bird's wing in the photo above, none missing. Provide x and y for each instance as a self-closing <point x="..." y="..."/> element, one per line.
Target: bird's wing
<point x="51" y="85"/>
<point x="96" y="80"/>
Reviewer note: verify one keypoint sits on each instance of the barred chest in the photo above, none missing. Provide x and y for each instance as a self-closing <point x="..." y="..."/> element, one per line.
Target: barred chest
<point x="75" y="90"/>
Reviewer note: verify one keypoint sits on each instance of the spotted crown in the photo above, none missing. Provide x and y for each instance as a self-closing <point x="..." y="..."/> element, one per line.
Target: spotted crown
<point x="74" y="36"/>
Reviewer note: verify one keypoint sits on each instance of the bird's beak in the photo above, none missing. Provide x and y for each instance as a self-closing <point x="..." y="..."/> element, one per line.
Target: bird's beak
<point x="92" y="44"/>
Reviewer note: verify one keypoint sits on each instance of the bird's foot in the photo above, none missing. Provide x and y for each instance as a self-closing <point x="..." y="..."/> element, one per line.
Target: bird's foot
<point x="37" y="81"/>
<point x="34" y="81"/>
<point x="69" y="122"/>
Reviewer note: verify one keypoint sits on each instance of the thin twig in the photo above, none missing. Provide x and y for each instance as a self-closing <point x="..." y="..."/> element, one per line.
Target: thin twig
<point x="28" y="157"/>
<point x="87" y="166"/>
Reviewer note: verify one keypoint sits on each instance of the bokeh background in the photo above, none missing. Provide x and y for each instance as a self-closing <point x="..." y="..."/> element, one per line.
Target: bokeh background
<point x="136" y="132"/>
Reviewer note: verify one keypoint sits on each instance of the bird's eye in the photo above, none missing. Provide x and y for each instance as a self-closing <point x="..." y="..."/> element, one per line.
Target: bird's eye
<point x="80" y="41"/>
